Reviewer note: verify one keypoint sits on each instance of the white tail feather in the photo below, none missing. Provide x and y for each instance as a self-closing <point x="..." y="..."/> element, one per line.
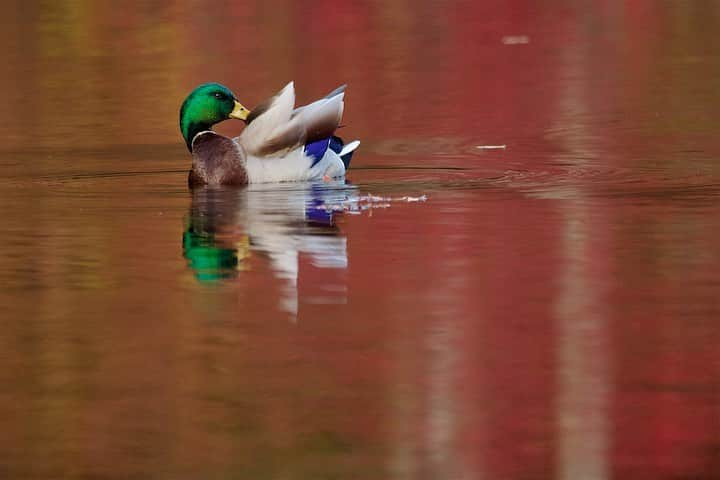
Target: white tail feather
<point x="350" y="147"/>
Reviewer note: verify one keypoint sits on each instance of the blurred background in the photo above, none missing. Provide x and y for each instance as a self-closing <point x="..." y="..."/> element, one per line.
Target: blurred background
<point x="519" y="279"/>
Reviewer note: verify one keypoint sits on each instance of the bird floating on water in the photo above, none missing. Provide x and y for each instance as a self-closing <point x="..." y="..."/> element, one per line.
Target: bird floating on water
<point x="280" y="143"/>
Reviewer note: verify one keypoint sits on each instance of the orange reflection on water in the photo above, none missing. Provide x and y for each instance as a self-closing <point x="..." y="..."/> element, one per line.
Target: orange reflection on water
<point x="549" y="311"/>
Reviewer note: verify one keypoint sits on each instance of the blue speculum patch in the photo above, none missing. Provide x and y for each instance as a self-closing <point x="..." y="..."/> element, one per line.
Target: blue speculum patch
<point x="317" y="150"/>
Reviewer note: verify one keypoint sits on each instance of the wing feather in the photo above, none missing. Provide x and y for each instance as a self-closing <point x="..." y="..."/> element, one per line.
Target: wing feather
<point x="274" y="115"/>
<point x="275" y="128"/>
<point x="320" y="119"/>
<point x="337" y="91"/>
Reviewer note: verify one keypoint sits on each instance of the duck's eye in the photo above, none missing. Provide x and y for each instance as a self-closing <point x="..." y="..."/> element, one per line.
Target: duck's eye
<point x="218" y="95"/>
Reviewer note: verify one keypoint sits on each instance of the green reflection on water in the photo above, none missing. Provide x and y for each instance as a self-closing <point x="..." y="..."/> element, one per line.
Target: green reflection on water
<point x="209" y="260"/>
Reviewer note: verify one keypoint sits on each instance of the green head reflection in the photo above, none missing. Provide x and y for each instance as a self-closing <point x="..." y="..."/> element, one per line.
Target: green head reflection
<point x="209" y="259"/>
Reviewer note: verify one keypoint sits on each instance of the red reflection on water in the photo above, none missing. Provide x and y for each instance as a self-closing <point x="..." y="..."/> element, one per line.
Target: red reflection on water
<point x="548" y="313"/>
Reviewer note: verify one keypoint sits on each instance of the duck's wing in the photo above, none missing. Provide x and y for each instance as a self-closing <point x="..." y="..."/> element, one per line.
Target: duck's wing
<point x="275" y="127"/>
<point x="321" y="118"/>
<point x="338" y="91"/>
<point x="267" y="130"/>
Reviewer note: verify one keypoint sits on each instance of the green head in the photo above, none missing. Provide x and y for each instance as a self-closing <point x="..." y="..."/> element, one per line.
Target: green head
<point x="208" y="104"/>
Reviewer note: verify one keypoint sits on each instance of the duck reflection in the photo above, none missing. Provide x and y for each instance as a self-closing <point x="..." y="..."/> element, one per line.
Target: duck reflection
<point x="227" y="228"/>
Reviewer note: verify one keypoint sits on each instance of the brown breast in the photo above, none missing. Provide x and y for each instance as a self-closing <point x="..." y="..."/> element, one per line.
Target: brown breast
<point x="217" y="160"/>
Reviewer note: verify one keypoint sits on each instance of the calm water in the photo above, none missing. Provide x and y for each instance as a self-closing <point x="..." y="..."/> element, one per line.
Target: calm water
<point x="546" y="310"/>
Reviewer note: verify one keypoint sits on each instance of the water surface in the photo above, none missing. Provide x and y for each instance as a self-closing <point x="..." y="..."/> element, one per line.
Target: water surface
<point x="544" y="310"/>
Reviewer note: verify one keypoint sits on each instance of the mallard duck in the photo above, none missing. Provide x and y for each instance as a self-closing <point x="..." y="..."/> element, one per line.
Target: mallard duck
<point x="280" y="143"/>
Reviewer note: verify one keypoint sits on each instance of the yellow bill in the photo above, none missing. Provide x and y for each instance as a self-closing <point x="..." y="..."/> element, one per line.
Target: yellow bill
<point x="239" y="112"/>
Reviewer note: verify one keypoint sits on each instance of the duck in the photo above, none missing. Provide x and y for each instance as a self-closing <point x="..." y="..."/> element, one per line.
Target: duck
<point x="280" y="143"/>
